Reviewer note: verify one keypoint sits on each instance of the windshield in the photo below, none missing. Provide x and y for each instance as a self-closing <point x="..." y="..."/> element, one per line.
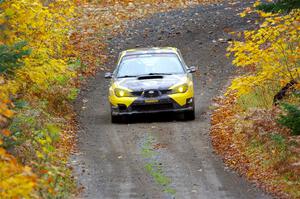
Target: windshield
<point x="149" y="64"/>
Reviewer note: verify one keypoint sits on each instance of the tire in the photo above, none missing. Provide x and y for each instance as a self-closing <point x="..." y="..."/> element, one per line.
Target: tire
<point x="115" y="119"/>
<point x="189" y="115"/>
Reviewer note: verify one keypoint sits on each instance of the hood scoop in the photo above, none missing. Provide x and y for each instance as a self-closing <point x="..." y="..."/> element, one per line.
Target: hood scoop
<point x="150" y="77"/>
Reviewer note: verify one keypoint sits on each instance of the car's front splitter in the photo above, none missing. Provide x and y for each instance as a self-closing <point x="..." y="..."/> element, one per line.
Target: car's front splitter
<point x="156" y="105"/>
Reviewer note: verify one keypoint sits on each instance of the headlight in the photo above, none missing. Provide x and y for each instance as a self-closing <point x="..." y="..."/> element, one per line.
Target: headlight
<point x="122" y="92"/>
<point x="180" y="89"/>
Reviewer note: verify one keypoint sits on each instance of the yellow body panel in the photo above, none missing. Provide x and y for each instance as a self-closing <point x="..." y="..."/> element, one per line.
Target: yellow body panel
<point x="114" y="100"/>
<point x="181" y="98"/>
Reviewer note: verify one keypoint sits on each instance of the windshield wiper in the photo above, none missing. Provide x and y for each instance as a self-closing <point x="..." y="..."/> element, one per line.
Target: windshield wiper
<point x="125" y="76"/>
<point x="148" y="74"/>
<point x="156" y="74"/>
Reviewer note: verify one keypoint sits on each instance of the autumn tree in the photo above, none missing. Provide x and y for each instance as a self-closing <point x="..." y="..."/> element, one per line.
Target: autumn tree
<point x="270" y="54"/>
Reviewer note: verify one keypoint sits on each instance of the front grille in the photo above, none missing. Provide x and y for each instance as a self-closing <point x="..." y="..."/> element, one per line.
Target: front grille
<point x="151" y="93"/>
<point x="145" y="94"/>
<point x="151" y="107"/>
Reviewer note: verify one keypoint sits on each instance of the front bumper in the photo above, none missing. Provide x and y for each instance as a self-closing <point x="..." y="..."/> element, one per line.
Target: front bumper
<point x="157" y="105"/>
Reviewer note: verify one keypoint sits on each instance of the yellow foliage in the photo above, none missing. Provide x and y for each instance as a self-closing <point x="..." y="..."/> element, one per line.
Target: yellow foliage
<point x="16" y="181"/>
<point x="271" y="51"/>
<point x="5" y="112"/>
<point x="46" y="29"/>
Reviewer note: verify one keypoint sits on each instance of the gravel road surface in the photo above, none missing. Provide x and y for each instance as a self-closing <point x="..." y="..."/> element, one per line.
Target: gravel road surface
<point x="160" y="156"/>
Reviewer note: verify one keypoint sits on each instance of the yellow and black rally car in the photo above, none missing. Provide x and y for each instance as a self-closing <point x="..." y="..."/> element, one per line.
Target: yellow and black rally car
<point x="151" y="80"/>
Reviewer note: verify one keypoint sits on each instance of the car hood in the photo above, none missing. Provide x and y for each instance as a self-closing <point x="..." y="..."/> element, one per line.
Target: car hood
<point x="163" y="83"/>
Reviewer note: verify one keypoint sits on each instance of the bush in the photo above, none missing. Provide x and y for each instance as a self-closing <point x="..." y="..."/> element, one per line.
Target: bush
<point x="280" y="6"/>
<point x="291" y="119"/>
<point x="10" y="56"/>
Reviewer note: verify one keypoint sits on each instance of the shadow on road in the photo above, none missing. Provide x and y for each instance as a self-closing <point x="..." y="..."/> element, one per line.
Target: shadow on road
<point x="152" y="118"/>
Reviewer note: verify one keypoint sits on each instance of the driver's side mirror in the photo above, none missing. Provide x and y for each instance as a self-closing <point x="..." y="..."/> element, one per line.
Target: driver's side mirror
<point x="192" y="69"/>
<point x="108" y="75"/>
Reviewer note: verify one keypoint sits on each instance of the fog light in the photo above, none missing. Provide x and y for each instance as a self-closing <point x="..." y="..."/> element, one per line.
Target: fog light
<point x="189" y="101"/>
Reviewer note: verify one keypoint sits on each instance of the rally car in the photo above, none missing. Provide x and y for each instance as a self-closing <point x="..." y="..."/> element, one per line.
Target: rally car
<point x="151" y="80"/>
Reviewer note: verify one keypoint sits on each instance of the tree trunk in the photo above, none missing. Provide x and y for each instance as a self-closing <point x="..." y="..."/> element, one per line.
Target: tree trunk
<point x="280" y="95"/>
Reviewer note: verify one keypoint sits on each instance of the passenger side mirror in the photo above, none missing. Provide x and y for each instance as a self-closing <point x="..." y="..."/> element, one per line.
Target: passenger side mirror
<point x="192" y="69"/>
<point x="108" y="75"/>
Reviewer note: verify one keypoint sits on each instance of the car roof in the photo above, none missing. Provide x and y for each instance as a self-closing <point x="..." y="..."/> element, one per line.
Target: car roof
<point x="138" y="51"/>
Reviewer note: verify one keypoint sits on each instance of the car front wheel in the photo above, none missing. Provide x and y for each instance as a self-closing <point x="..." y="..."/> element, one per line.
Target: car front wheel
<point x="116" y="119"/>
<point x="189" y="115"/>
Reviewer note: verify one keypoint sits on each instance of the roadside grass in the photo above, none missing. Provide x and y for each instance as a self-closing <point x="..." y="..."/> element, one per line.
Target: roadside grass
<point x="154" y="168"/>
<point x="261" y="97"/>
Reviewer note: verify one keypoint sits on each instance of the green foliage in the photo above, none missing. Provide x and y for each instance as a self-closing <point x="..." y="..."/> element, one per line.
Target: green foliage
<point x="75" y="64"/>
<point x="279" y="140"/>
<point x="20" y="127"/>
<point x="11" y="56"/>
<point x="62" y="80"/>
<point x="73" y="94"/>
<point x="54" y="132"/>
<point x="19" y="104"/>
<point x="279" y="144"/>
<point x="291" y="119"/>
<point x="280" y="6"/>
<point x="34" y="140"/>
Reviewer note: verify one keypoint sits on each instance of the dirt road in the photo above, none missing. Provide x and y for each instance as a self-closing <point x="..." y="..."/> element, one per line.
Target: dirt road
<point x="159" y="156"/>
